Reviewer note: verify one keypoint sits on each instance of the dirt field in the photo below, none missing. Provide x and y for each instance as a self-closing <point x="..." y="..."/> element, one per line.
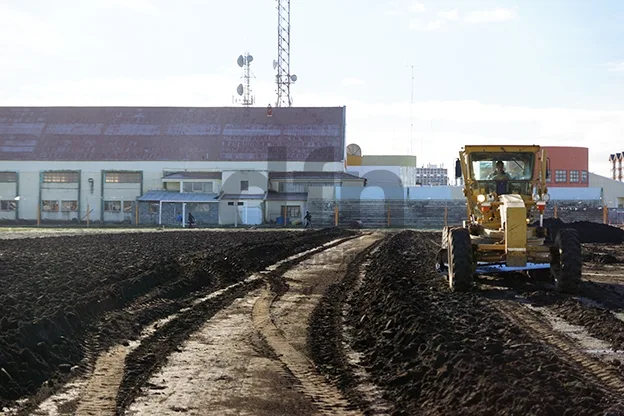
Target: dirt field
<point x="298" y="323"/>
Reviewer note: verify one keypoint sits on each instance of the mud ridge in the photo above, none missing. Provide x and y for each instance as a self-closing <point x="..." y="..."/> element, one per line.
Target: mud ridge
<point x="325" y="338"/>
<point x="436" y="351"/>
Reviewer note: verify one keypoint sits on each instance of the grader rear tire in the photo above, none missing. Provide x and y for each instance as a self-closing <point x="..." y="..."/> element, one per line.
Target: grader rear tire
<point x="460" y="260"/>
<point x="566" y="265"/>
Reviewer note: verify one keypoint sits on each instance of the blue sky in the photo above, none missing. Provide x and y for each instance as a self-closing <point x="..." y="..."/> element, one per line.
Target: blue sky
<point x="486" y="71"/>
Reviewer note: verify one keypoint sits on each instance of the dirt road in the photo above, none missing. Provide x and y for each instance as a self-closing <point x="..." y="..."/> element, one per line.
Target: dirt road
<point x="251" y="357"/>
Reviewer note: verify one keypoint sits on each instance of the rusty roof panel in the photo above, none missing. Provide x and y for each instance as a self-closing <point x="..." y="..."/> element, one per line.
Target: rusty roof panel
<point x="171" y="133"/>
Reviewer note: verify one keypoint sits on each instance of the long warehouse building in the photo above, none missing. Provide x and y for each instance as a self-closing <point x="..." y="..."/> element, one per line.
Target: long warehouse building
<point x="153" y="164"/>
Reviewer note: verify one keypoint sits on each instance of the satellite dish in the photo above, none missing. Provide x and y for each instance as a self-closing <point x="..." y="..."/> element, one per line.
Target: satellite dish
<point x="241" y="61"/>
<point x="354" y="150"/>
<point x="249" y="59"/>
<point x="293" y="78"/>
<point x="239" y="89"/>
<point x="274" y="64"/>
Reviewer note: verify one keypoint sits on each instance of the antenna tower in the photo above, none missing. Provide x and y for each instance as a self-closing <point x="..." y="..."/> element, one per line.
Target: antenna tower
<point x="244" y="89"/>
<point x="282" y="64"/>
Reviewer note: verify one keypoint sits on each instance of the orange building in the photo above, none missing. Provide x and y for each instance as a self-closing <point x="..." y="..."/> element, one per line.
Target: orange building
<point x="568" y="166"/>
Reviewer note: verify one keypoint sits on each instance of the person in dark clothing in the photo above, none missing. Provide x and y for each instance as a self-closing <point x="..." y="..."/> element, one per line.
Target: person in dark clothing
<point x="308" y="220"/>
<point x="191" y="220"/>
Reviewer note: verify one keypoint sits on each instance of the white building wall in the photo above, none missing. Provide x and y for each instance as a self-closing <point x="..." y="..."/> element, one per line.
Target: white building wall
<point x="29" y="177"/>
<point x="91" y="199"/>
<point x="258" y="182"/>
<point x="28" y="193"/>
<point x="613" y="190"/>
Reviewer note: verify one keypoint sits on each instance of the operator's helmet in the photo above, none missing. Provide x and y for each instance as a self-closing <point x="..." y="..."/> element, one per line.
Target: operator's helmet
<point x="500" y="163"/>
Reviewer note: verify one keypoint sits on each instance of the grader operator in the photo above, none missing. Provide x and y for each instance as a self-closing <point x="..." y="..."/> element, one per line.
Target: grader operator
<point x="506" y="193"/>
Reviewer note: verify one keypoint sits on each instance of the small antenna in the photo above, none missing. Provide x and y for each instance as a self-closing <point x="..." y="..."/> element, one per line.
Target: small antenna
<point x="244" y="89"/>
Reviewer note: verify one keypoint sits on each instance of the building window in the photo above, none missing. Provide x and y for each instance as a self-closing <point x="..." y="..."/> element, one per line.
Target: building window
<point x="112" y="206"/>
<point x="574" y="176"/>
<point x="198" y="187"/>
<point x="231" y="204"/>
<point x="69" y="206"/>
<point x="583" y="176"/>
<point x="292" y="187"/>
<point x="8" y="177"/>
<point x="293" y="211"/>
<point x="548" y="175"/>
<point x="50" y="206"/>
<point x="561" y="176"/>
<point x="60" y="177"/>
<point x="7" y="205"/>
<point x="122" y="177"/>
<point x="127" y="206"/>
<point x="244" y="186"/>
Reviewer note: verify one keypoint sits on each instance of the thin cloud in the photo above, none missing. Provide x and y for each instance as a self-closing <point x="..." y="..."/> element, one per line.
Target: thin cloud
<point x="449" y="14"/>
<point x="348" y="82"/>
<point x="144" y="6"/>
<point x="419" y="26"/>
<point x="490" y="16"/>
<point x="417" y="7"/>
<point x="616" y="67"/>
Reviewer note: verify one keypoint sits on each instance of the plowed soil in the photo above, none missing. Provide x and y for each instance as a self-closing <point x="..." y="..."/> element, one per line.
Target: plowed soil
<point x="439" y="352"/>
<point x="589" y="232"/>
<point x="63" y="297"/>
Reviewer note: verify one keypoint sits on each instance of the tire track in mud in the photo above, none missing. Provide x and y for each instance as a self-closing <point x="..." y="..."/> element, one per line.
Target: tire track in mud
<point x="324" y="395"/>
<point x="150" y="355"/>
<point x="566" y="348"/>
<point x="329" y="343"/>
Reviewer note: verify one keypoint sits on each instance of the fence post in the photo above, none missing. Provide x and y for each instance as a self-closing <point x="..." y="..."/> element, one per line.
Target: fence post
<point x="136" y="214"/>
<point x="605" y="214"/>
<point x="446" y="216"/>
<point x="388" y="209"/>
<point x="335" y="215"/>
<point x="88" y="217"/>
<point x="555" y="214"/>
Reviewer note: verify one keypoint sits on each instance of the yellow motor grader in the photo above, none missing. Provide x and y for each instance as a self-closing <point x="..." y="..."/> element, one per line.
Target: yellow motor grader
<point x="506" y="193"/>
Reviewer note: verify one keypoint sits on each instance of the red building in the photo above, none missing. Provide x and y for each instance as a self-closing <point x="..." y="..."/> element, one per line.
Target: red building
<point x="568" y="166"/>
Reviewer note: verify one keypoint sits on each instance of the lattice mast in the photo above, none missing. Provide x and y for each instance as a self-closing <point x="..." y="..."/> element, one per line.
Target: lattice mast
<point x="244" y="89"/>
<point x="282" y="64"/>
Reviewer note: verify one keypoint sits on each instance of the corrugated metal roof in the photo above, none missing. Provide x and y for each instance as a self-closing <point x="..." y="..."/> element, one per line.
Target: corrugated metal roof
<point x="287" y="196"/>
<point x="242" y="196"/>
<point x="172" y="134"/>
<point x="312" y="175"/>
<point x="156" y="196"/>
<point x="193" y="175"/>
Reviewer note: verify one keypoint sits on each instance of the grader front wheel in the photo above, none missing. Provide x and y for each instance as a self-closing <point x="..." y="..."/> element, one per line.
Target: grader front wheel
<point x="566" y="263"/>
<point x="460" y="261"/>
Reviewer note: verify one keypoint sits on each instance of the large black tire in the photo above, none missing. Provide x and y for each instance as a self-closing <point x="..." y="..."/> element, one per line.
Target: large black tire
<point x="567" y="263"/>
<point x="460" y="260"/>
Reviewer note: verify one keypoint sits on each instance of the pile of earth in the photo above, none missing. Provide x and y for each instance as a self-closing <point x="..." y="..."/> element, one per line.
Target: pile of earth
<point x="434" y="351"/>
<point x="589" y="232"/>
<point x="59" y="292"/>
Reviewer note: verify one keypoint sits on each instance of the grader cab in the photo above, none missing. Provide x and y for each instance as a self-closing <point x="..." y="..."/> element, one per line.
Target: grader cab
<point x="506" y="193"/>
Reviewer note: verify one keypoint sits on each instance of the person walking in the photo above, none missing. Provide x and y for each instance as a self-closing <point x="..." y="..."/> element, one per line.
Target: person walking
<point x="191" y="220"/>
<point x="308" y="220"/>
